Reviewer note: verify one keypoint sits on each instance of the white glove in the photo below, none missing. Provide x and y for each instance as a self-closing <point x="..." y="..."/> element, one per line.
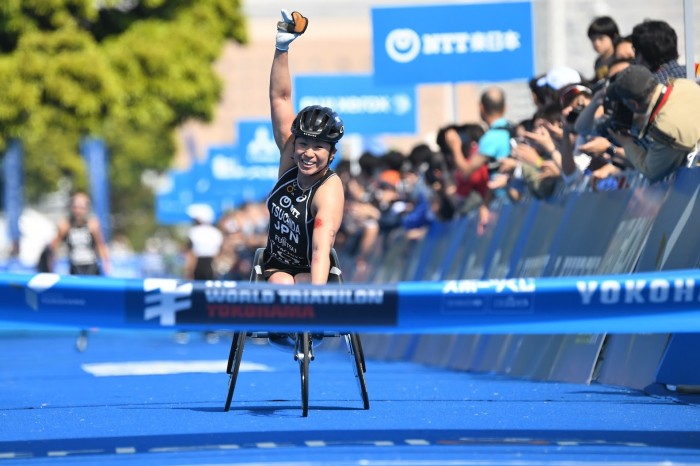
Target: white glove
<point x="284" y="37"/>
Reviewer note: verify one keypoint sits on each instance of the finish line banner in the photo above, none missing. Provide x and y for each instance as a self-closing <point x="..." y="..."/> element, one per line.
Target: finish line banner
<point x="641" y="303"/>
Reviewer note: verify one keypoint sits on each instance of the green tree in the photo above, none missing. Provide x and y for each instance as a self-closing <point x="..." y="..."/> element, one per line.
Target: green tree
<point x="127" y="71"/>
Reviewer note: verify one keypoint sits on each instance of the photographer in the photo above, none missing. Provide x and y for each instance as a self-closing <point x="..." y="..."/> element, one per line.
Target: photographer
<point x="665" y="129"/>
<point x="594" y="151"/>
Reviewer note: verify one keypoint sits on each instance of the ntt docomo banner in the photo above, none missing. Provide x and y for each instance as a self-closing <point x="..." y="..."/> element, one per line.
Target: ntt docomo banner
<point x="453" y="43"/>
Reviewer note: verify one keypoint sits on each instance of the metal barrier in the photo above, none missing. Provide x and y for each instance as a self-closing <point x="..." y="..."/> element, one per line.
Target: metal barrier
<point x="639" y="228"/>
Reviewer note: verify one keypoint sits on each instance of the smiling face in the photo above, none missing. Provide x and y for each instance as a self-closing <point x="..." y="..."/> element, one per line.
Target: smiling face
<point x="312" y="155"/>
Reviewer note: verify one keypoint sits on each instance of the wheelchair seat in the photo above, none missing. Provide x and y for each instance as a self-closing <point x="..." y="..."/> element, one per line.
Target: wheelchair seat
<point x="302" y="343"/>
<point x="286" y="340"/>
<point x="256" y="275"/>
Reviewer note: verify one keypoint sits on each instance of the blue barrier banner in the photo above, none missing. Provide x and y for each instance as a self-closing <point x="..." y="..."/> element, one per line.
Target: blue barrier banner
<point x="476" y="256"/>
<point x="473" y="42"/>
<point x="632" y="231"/>
<point x="13" y="180"/>
<point x="94" y="152"/>
<point x="509" y="236"/>
<point x="533" y="256"/>
<point x="681" y="356"/>
<point x="651" y="302"/>
<point x="581" y="242"/>
<point x="364" y="107"/>
<point x="673" y="241"/>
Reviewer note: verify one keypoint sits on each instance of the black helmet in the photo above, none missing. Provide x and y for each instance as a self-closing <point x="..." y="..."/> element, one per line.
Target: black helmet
<point x="318" y="122"/>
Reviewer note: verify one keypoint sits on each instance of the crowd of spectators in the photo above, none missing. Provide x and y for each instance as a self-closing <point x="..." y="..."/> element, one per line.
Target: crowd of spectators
<point x="632" y="111"/>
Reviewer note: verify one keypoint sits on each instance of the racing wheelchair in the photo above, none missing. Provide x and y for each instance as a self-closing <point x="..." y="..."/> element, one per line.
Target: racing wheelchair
<point x="302" y="343"/>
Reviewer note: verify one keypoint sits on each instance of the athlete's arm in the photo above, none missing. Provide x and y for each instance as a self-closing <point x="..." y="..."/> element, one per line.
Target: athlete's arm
<point x="281" y="108"/>
<point x="328" y="207"/>
<point x="62" y="228"/>
<point x="102" y="252"/>
<point x="466" y="165"/>
<point x="190" y="262"/>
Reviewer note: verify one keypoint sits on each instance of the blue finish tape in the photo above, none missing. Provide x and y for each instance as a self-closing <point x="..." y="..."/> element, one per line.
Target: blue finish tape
<point x="644" y="302"/>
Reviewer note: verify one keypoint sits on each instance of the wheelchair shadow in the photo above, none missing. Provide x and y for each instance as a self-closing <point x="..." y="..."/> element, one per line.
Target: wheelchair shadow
<point x="271" y="409"/>
<point x="267" y="410"/>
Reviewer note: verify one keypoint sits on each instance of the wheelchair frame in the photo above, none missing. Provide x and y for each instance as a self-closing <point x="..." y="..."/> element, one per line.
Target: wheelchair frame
<point x="303" y="348"/>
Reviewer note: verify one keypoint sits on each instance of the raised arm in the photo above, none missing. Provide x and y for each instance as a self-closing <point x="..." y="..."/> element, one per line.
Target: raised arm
<point x="466" y="165"/>
<point x="281" y="107"/>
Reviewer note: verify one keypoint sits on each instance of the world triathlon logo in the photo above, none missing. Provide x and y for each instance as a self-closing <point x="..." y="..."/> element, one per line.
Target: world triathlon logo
<point x="37" y="285"/>
<point x="403" y="45"/>
<point x="165" y="298"/>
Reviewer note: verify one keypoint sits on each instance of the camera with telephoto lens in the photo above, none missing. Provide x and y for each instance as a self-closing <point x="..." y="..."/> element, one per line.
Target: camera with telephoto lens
<point x="618" y="116"/>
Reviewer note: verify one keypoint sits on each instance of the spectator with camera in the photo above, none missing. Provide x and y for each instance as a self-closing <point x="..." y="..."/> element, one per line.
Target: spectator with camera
<point x="591" y="124"/>
<point x="665" y="129"/>
<point x="483" y="156"/>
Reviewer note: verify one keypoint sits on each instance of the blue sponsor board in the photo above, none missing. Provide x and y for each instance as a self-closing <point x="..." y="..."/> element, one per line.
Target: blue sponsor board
<point x="229" y="175"/>
<point x="13" y="180"/>
<point x="173" y="197"/>
<point x="364" y="107"/>
<point x="245" y="172"/>
<point x="94" y="152"/>
<point x="453" y="43"/>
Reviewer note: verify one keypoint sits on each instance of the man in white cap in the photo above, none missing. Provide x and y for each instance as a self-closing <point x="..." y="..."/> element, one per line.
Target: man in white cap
<point x="559" y="77"/>
<point x="204" y="243"/>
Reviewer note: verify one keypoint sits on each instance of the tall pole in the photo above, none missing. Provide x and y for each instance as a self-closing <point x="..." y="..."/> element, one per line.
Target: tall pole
<point x="689" y="38"/>
<point x="557" y="33"/>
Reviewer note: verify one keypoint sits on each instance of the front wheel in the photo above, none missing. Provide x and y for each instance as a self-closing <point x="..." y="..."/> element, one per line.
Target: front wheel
<point x="355" y="350"/>
<point x="234" y="364"/>
<point x="304" y="356"/>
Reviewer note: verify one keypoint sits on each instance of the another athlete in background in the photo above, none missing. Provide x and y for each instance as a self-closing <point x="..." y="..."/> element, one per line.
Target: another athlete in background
<point x="87" y="250"/>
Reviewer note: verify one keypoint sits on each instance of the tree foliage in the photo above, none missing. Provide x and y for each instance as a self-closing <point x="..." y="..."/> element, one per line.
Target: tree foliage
<point x="128" y="71"/>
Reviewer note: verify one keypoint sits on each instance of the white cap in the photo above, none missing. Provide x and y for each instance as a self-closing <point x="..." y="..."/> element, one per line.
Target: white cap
<point x="561" y="76"/>
<point x="203" y="213"/>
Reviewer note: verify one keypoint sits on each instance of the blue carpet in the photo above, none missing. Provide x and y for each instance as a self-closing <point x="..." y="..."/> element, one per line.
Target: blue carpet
<point x="60" y="406"/>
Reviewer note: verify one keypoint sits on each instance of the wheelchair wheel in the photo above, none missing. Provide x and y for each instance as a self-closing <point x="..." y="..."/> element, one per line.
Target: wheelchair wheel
<point x="360" y="351"/>
<point x="304" y="356"/>
<point x="355" y="349"/>
<point x="234" y="364"/>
